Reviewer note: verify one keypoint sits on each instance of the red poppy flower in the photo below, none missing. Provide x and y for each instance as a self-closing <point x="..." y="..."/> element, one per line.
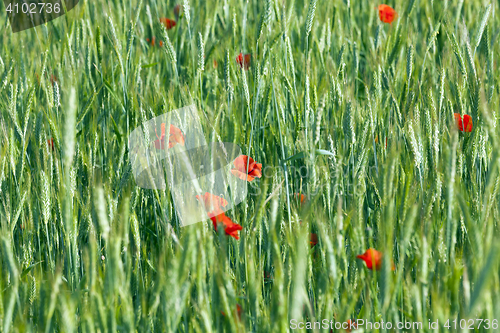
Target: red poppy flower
<point x="372" y="257"/>
<point x="50" y="143"/>
<point x="153" y="40"/>
<point x="168" y="23"/>
<point x="387" y="14"/>
<point x="301" y="196"/>
<point x="240" y="170"/>
<point x="267" y="275"/>
<point x="217" y="216"/>
<point x="351" y="325"/>
<point x="177" y="11"/>
<point x="215" y="63"/>
<point x="314" y="240"/>
<point x="232" y="230"/>
<point x="244" y="60"/>
<point x="212" y="201"/>
<point x="465" y="124"/>
<point x="238" y="311"/>
<point x="176" y="137"/>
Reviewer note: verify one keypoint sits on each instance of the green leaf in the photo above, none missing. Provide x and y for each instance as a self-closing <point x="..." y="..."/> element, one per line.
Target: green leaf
<point x="149" y="65"/>
<point x="28" y="269"/>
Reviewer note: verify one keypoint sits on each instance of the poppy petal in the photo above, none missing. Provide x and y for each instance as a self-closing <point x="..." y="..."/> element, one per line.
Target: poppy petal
<point x="241" y="171"/>
<point x="313" y="240"/>
<point x="371" y="257"/>
<point x="467" y="123"/>
<point x="458" y="120"/>
<point x="168" y="23"/>
<point x="210" y="200"/>
<point x="242" y="175"/>
<point x="241" y="162"/>
<point x="387" y="14"/>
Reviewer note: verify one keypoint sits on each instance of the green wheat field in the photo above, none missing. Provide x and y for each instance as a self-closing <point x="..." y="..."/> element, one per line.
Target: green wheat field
<point x="354" y="113"/>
